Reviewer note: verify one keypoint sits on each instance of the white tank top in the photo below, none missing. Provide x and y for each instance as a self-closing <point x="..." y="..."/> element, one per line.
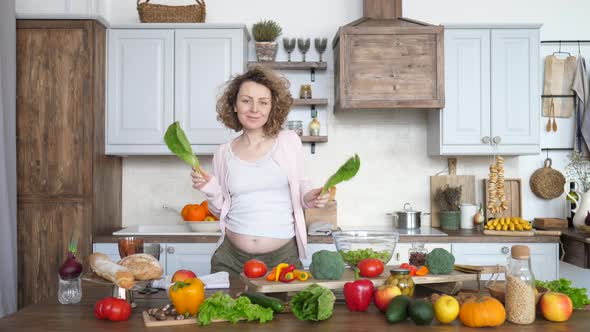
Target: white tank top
<point x="261" y="199"/>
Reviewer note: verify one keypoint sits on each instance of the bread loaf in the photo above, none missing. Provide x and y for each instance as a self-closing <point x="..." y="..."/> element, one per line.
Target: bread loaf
<point x="143" y="266"/>
<point x="103" y="266"/>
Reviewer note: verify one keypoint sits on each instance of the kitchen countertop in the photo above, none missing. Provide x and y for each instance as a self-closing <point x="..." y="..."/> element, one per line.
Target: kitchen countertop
<point x="52" y="317"/>
<point x="459" y="236"/>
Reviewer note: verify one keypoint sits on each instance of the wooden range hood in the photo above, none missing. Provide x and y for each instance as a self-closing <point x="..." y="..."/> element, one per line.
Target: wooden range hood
<point x="386" y="61"/>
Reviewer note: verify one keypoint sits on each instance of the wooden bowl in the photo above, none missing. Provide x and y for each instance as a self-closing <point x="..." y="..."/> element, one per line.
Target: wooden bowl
<point x="498" y="291"/>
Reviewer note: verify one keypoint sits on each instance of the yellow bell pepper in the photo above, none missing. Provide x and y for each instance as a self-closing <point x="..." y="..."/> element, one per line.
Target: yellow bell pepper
<point x="301" y="275"/>
<point x="278" y="270"/>
<point x="187" y="296"/>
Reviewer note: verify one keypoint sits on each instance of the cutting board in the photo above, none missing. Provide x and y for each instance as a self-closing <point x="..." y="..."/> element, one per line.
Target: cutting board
<point x="522" y="233"/>
<point x="150" y="321"/>
<point x="550" y="223"/>
<point x="262" y="285"/>
<point x="513" y="194"/>
<point x="454" y="180"/>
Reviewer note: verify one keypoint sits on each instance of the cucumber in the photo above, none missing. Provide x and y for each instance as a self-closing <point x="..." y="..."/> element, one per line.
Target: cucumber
<point x="265" y="301"/>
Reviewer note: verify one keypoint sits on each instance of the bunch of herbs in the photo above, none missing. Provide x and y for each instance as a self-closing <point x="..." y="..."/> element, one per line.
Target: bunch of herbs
<point x="449" y="198"/>
<point x="266" y="31"/>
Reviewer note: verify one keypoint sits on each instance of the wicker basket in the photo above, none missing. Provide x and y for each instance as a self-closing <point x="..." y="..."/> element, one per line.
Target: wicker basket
<point x="153" y="13"/>
<point x="546" y="182"/>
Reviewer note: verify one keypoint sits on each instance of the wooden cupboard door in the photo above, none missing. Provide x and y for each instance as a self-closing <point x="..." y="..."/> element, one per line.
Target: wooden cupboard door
<point x="204" y="61"/>
<point x="54" y="135"/>
<point x="44" y="232"/>
<point x="140" y="86"/>
<point x="466" y="116"/>
<point x="515" y="86"/>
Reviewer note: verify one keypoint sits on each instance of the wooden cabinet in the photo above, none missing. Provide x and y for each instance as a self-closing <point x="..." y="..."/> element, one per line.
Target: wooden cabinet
<point x="544" y="256"/>
<point x="493" y="92"/>
<point x="158" y="76"/>
<point x="67" y="186"/>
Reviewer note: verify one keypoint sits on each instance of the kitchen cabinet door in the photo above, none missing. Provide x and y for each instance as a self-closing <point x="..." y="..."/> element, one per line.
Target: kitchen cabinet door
<point x="515" y="87"/>
<point x="544" y="256"/>
<point x="191" y="256"/>
<point x="401" y="251"/>
<point x="204" y="60"/>
<point x="466" y="116"/>
<point x="140" y="89"/>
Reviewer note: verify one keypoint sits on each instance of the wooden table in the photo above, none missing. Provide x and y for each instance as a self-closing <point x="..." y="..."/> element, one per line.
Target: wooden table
<point x="51" y="317"/>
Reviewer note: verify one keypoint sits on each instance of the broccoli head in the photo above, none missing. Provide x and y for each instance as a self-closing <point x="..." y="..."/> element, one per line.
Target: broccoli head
<point x="440" y="261"/>
<point x="326" y="265"/>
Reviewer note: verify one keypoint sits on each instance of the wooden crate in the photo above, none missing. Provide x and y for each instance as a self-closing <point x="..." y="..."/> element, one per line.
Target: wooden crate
<point x="513" y="193"/>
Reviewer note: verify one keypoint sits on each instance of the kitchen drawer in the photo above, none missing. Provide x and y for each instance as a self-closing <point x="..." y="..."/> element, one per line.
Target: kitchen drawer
<point x="401" y="251"/>
<point x="544" y="260"/>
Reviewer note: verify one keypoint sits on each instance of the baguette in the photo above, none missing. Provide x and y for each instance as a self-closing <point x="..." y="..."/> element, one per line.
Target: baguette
<point x="103" y="266"/>
<point x="143" y="266"/>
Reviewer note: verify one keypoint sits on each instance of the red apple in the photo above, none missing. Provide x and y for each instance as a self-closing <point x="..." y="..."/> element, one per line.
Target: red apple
<point x="384" y="294"/>
<point x="182" y="275"/>
<point x="556" y="307"/>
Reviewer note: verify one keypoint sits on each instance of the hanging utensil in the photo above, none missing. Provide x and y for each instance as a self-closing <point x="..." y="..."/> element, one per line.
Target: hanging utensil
<point x="548" y="127"/>
<point x="554" y="122"/>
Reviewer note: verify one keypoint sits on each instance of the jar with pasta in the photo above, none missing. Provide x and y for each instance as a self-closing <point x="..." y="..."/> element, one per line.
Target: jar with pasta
<point x="520" y="287"/>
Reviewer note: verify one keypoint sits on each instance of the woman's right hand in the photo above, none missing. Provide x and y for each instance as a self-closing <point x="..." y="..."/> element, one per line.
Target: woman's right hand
<point x="200" y="178"/>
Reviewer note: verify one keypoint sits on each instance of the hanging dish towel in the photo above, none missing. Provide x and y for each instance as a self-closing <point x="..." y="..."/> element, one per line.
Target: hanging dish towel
<point x="559" y="77"/>
<point x="582" y="91"/>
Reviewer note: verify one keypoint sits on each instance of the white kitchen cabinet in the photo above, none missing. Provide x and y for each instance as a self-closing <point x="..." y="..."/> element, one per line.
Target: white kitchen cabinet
<point x="57" y="6"/>
<point x="158" y="76"/>
<point x="544" y="256"/>
<point x="492" y="92"/>
<point x="190" y="256"/>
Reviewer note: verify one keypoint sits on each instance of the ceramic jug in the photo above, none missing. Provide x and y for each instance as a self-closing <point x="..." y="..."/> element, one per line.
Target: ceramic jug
<point x="582" y="206"/>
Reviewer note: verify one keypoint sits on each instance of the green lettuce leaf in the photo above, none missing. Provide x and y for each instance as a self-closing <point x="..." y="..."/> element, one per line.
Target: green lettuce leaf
<point x="346" y="172"/>
<point x="223" y="307"/>
<point x="313" y="303"/>
<point x="578" y="296"/>
<point x="179" y="145"/>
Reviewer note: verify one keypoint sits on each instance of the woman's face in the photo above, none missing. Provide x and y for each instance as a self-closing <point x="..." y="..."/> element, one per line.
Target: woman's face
<point x="253" y="105"/>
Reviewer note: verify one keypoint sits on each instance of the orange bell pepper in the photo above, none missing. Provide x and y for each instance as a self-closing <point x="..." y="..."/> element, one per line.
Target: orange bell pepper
<point x="187" y="296"/>
<point x="422" y="271"/>
<point x="272" y="274"/>
<point x="301" y="275"/>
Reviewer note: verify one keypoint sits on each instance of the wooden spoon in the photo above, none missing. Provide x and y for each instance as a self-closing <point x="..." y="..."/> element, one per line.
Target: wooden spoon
<point x="548" y="127"/>
<point x="554" y="122"/>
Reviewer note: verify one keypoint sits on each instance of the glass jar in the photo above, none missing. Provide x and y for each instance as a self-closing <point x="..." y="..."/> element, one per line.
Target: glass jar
<point x="520" y="287"/>
<point x="305" y="91"/>
<point x="401" y="279"/>
<point x="69" y="290"/>
<point x="296" y="126"/>
<point x="417" y="254"/>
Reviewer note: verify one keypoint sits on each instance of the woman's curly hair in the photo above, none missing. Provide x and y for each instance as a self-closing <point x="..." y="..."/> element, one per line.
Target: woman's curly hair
<point x="280" y="103"/>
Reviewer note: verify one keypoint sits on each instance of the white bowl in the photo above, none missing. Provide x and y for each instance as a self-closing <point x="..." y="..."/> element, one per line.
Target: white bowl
<point x="204" y="226"/>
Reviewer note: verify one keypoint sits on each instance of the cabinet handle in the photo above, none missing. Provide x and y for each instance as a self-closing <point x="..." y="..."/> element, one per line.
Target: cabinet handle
<point x="497" y="139"/>
<point x="170" y="250"/>
<point x="505" y="250"/>
<point x="486" y="140"/>
<point x="161" y="249"/>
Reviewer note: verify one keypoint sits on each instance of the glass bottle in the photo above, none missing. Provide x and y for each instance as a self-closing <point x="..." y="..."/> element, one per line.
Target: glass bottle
<point x="520" y="287"/>
<point x="314" y="127"/>
<point x="69" y="290"/>
<point x="417" y="254"/>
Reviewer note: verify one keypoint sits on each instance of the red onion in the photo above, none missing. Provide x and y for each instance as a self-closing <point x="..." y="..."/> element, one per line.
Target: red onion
<point x="71" y="268"/>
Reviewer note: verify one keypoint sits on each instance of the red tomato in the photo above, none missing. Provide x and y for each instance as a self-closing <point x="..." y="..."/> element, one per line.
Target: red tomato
<point x="113" y="309"/>
<point x="370" y="267"/>
<point x="254" y="268"/>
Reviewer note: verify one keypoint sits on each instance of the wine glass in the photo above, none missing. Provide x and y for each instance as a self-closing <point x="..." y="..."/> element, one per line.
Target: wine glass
<point x="303" y="44"/>
<point x="129" y="246"/>
<point x="320" y="45"/>
<point x="289" y="45"/>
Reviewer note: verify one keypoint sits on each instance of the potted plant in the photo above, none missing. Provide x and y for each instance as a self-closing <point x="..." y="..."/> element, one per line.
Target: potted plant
<point x="448" y="200"/>
<point x="265" y="33"/>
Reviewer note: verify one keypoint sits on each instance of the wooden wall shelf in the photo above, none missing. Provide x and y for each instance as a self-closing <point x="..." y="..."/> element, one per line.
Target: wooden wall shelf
<point x="314" y="139"/>
<point x="310" y="102"/>
<point x="292" y="65"/>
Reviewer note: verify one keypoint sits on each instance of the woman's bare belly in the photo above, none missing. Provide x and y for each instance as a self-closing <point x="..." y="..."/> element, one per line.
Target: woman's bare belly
<point x="255" y="244"/>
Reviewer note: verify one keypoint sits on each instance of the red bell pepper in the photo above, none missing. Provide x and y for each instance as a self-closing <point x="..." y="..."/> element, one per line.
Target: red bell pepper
<point x="358" y="294"/>
<point x="287" y="274"/>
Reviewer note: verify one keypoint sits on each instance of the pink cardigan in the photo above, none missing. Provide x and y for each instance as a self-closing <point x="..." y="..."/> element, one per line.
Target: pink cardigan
<point x="289" y="156"/>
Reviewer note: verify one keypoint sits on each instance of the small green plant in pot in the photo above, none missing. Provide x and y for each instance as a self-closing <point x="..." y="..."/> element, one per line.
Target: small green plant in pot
<point x="448" y="200"/>
<point x="265" y="33"/>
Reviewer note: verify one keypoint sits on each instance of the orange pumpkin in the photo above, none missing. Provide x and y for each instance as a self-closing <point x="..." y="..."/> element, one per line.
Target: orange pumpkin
<point x="205" y="204"/>
<point x="482" y="312"/>
<point x="195" y="213"/>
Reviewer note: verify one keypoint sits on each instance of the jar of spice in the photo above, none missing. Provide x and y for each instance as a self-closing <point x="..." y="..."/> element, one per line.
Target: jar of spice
<point x="296" y="126"/>
<point x="401" y="279"/>
<point x="417" y="254"/>
<point x="520" y="287"/>
<point x="305" y="91"/>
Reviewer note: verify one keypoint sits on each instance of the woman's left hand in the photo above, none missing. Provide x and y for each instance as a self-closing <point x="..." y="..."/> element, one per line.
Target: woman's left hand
<point x="313" y="198"/>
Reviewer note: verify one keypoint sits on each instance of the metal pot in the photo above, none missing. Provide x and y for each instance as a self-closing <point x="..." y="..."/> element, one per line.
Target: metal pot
<point x="406" y="219"/>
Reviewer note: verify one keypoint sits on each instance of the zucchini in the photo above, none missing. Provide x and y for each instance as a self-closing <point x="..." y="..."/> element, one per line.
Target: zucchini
<point x="265" y="301"/>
